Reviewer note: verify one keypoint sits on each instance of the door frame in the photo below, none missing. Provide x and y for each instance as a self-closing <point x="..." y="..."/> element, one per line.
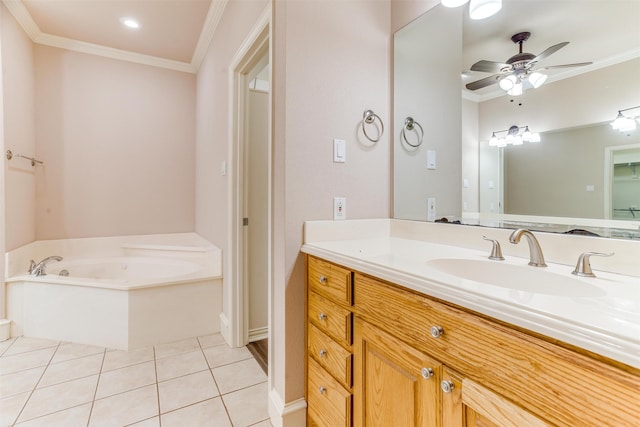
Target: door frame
<point x="252" y="49"/>
<point x="608" y="176"/>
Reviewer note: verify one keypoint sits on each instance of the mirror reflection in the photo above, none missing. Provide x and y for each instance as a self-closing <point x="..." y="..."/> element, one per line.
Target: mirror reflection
<point x="590" y="67"/>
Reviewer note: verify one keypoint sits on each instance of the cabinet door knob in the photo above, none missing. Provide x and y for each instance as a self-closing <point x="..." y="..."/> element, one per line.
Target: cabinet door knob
<point x="322" y="316"/>
<point x="447" y="386"/>
<point x="436" y="331"/>
<point x="323" y="279"/>
<point x="426" y="373"/>
<point x="322" y="390"/>
<point x="322" y="353"/>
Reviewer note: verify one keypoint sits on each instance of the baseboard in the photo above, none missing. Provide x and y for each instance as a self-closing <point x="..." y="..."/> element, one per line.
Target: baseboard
<point x="258" y="334"/>
<point x="224" y="328"/>
<point x="292" y="414"/>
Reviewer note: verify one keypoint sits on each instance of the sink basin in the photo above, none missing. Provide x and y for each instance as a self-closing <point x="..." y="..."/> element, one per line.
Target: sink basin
<point x="518" y="278"/>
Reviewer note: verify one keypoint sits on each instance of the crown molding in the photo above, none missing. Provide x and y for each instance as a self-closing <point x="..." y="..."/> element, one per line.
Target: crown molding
<point x="216" y="9"/>
<point x="214" y="15"/>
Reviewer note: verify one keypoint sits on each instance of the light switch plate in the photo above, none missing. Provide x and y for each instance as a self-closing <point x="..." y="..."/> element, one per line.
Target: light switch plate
<point x="431" y="159"/>
<point x="339" y="151"/>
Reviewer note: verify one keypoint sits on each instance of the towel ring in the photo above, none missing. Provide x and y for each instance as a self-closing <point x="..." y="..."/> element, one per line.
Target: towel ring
<point x="410" y="124"/>
<point x="369" y="117"/>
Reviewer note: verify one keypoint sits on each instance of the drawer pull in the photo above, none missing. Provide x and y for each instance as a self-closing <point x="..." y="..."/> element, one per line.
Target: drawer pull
<point x="426" y="373"/>
<point x="436" y="331"/>
<point x="447" y="386"/>
<point x="322" y="390"/>
<point x="322" y="353"/>
<point x="323" y="279"/>
<point x="322" y="316"/>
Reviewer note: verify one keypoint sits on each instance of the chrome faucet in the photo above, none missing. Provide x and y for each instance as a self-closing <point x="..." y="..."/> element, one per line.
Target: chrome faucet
<point x="39" y="268"/>
<point x="583" y="267"/>
<point x="536" y="258"/>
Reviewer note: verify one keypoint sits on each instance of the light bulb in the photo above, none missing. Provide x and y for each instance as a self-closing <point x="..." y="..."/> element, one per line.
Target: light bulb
<point x="508" y="82"/>
<point x="517" y="140"/>
<point x="526" y="135"/>
<point x="516" y="90"/>
<point x="537" y="79"/>
<point x="481" y="9"/>
<point x="535" y="137"/>
<point x="493" y="141"/>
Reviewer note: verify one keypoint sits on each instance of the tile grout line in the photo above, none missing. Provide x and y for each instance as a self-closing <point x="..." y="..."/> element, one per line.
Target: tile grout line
<point x="155" y="367"/>
<point x="95" y="393"/>
<point x="216" y="383"/>
<point x="26" y="402"/>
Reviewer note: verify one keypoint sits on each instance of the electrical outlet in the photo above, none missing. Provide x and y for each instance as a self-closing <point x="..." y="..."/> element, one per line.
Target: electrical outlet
<point x="431" y="209"/>
<point x="339" y="208"/>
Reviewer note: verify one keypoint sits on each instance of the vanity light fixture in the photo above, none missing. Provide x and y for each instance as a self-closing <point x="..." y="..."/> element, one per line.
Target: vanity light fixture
<point x="626" y="123"/>
<point x="513" y="137"/>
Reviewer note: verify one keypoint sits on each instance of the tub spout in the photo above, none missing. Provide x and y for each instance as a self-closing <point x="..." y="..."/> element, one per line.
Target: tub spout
<point x="39" y="268"/>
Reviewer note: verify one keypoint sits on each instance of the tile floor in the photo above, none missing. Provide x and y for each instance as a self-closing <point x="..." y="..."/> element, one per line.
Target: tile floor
<point x="196" y="382"/>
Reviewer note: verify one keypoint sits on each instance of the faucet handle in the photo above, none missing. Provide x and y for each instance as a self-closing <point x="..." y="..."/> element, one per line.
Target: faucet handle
<point x="583" y="267"/>
<point x="496" y="250"/>
<point x="32" y="266"/>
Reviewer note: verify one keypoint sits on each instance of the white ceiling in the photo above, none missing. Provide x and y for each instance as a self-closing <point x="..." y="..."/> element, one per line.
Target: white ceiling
<point x="173" y="34"/>
<point x="605" y="32"/>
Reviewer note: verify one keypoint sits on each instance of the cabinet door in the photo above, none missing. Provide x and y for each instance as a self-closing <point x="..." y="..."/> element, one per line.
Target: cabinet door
<point x="394" y="384"/>
<point x="468" y="404"/>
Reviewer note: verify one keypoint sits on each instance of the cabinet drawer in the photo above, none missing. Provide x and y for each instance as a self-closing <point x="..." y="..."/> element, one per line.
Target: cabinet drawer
<point x="330" y="281"/>
<point x="329" y="402"/>
<point x="330" y="318"/>
<point x="330" y="355"/>
<point x="562" y="386"/>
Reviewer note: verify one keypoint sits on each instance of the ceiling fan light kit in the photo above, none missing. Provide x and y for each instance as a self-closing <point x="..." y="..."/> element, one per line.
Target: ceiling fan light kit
<point x="482" y="9"/>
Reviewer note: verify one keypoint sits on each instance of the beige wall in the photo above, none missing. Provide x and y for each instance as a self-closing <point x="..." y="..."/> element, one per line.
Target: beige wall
<point x="331" y="62"/>
<point x="19" y="132"/>
<point x="118" y="142"/>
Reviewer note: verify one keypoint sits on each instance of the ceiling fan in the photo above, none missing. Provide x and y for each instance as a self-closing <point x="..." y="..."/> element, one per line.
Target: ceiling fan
<point x="517" y="73"/>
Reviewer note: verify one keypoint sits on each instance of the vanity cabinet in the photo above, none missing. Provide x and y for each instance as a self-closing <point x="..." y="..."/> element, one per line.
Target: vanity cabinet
<point x="418" y="361"/>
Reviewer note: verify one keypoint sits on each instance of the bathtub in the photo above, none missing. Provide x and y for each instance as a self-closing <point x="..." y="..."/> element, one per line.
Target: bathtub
<point x="124" y="295"/>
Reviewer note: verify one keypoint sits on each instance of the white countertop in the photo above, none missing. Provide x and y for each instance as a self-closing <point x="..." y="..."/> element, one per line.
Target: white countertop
<point x="604" y="320"/>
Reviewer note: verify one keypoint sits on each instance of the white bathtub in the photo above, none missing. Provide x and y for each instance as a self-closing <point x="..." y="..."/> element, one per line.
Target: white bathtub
<point x="129" y="297"/>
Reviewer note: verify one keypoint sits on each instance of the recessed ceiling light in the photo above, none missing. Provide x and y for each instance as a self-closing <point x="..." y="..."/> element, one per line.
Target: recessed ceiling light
<point x="129" y="22"/>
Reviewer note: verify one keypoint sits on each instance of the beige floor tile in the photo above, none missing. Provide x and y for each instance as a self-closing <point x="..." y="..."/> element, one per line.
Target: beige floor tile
<point x="4" y="345"/>
<point x="211" y="340"/>
<point x="125" y="408"/>
<point x="19" y="382"/>
<point x="178" y="347"/>
<point x="57" y="397"/>
<point x="29" y="360"/>
<point x="181" y="364"/>
<point x="265" y="423"/>
<point x="71" y="370"/>
<point x="187" y="390"/>
<point x="125" y="379"/>
<point x="210" y="413"/>
<point x="120" y="358"/>
<point x="10" y="407"/>
<point x="223" y="355"/>
<point x="247" y="406"/>
<point x="69" y="351"/>
<point x="151" y="422"/>
<point x="72" y="417"/>
<point x="24" y="344"/>
<point x="238" y="375"/>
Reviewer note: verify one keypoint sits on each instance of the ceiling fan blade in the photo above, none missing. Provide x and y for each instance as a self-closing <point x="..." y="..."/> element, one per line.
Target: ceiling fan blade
<point x="489" y="66"/>
<point x="549" y="51"/>
<point x="479" y="84"/>
<point x="578" y="64"/>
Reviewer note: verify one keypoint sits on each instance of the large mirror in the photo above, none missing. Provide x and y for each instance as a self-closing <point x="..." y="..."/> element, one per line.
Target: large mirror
<point x="582" y="172"/>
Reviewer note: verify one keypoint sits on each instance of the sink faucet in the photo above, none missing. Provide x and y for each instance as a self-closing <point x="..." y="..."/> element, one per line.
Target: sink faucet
<point x="39" y="268"/>
<point x="536" y="258"/>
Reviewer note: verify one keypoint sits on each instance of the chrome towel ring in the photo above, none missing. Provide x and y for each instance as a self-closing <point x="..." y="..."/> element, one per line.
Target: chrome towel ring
<point x="368" y="117"/>
<point x="410" y="125"/>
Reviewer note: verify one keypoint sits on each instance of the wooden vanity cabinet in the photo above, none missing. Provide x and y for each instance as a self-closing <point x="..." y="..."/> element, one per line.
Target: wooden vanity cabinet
<point x="418" y="361"/>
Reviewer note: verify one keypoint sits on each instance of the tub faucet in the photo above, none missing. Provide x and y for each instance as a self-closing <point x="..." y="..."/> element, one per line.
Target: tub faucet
<point x="536" y="258"/>
<point x="39" y="268"/>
